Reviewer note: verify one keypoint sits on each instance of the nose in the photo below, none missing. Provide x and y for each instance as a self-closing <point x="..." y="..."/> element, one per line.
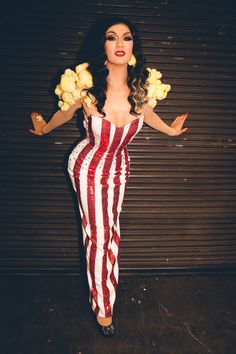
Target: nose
<point x="120" y="42"/>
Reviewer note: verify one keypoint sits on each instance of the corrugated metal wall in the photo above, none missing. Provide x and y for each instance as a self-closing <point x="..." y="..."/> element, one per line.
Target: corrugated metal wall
<point x="179" y="209"/>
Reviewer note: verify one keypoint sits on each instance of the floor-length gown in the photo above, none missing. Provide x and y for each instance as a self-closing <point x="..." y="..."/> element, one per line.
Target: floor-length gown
<point x="99" y="168"/>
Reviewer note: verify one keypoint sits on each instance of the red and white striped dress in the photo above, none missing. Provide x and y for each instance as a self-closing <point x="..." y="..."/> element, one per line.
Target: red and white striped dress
<point x="99" y="167"/>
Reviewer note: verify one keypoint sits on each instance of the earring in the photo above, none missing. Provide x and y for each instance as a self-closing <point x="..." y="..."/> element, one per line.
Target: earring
<point x="105" y="62"/>
<point x="132" y="61"/>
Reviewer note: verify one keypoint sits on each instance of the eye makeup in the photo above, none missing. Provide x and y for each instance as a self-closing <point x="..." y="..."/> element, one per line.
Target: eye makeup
<point x="112" y="38"/>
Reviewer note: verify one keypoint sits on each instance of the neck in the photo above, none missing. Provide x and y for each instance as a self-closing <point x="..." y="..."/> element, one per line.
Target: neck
<point x="118" y="75"/>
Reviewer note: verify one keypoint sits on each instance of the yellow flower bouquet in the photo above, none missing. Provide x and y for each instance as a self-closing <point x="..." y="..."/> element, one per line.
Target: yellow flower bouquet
<point x="73" y="83"/>
<point x="157" y="91"/>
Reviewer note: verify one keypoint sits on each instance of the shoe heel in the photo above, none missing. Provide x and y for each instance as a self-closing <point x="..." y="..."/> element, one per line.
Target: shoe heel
<point x="106" y="331"/>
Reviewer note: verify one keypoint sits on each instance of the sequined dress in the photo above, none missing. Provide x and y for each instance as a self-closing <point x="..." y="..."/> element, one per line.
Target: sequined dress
<point x="99" y="168"/>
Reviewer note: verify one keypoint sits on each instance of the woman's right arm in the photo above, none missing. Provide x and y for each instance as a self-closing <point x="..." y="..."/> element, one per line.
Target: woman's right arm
<point x="59" y="117"/>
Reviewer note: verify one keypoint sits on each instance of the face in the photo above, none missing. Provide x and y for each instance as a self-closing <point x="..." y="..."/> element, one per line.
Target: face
<point x="119" y="44"/>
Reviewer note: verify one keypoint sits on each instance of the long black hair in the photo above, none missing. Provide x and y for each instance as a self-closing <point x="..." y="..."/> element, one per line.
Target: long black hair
<point x="93" y="52"/>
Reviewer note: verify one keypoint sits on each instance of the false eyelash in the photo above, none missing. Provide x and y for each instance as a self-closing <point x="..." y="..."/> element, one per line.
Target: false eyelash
<point x="110" y="38"/>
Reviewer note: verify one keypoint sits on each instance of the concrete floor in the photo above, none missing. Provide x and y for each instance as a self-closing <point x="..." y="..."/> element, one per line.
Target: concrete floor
<point x="166" y="314"/>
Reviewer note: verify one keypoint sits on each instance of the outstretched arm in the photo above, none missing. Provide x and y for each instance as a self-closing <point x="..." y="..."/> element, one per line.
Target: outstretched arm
<point x="58" y="118"/>
<point x="154" y="121"/>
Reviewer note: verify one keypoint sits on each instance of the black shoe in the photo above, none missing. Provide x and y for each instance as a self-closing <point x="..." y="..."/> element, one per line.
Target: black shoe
<point x="106" y="331"/>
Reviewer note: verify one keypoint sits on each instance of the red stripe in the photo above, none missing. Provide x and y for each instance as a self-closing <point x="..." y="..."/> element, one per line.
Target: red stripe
<point x="132" y="130"/>
<point x="91" y="200"/>
<point x="115" y="206"/>
<point x="104" y="181"/>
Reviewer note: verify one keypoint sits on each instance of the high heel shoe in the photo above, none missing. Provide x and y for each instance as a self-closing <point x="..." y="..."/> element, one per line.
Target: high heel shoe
<point x="106" y="331"/>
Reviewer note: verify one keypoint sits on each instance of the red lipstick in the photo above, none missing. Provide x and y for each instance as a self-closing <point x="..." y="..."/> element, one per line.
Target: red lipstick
<point x="120" y="53"/>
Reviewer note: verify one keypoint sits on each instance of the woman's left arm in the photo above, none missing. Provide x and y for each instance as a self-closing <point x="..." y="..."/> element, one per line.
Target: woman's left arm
<point x="154" y="121"/>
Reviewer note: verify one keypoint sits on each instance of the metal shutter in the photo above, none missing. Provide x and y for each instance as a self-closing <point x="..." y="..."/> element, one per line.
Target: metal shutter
<point x="180" y="203"/>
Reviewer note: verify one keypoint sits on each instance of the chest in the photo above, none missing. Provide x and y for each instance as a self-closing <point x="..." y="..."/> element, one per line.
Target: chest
<point x="117" y="108"/>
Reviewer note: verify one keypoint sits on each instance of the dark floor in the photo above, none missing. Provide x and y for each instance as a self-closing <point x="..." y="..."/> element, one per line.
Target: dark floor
<point x="184" y="314"/>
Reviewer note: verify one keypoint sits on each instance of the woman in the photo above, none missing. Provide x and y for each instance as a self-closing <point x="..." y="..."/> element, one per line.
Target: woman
<point x="99" y="165"/>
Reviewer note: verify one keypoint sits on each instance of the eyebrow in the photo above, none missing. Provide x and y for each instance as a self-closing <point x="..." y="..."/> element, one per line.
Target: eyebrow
<point x="116" y="33"/>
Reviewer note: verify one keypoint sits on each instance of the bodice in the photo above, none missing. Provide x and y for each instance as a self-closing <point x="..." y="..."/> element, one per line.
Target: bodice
<point x="105" y="135"/>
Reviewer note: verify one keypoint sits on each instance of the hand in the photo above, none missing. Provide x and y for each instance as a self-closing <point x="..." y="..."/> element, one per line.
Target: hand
<point x="178" y="123"/>
<point x="38" y="123"/>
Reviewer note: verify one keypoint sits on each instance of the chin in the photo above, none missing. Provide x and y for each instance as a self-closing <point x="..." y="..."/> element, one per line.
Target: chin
<point x="119" y="61"/>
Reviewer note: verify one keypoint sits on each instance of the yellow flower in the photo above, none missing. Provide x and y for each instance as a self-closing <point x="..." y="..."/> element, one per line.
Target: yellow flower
<point x="76" y="94"/>
<point x="67" y="83"/>
<point x="63" y="105"/>
<point x="152" y="90"/>
<point x="72" y="85"/>
<point x="58" y="90"/>
<point x="80" y="67"/>
<point x="162" y="91"/>
<point x="68" y="72"/>
<point x="166" y="87"/>
<point x="154" y="75"/>
<point x="85" y="79"/>
<point x="156" y="89"/>
<point x="71" y="73"/>
<point x="67" y="97"/>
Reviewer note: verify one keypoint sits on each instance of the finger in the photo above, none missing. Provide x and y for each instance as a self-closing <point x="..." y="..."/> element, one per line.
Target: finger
<point x="182" y="119"/>
<point x="34" y="114"/>
<point x="176" y="119"/>
<point x="183" y="130"/>
<point x="182" y="116"/>
<point x="34" y="132"/>
<point x="36" y="122"/>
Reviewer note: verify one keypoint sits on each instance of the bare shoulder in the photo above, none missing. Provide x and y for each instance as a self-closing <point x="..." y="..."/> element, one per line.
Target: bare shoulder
<point x="147" y="110"/>
<point x="78" y="103"/>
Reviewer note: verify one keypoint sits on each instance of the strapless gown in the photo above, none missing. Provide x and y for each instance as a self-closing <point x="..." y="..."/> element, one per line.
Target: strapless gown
<point x="99" y="168"/>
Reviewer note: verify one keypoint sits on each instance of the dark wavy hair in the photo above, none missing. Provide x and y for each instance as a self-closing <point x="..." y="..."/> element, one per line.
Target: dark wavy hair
<point x="93" y="52"/>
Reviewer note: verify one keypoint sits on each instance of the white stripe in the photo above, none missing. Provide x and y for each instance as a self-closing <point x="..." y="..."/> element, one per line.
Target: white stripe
<point x="88" y="258"/>
<point x="72" y="159"/>
<point x="96" y="128"/>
